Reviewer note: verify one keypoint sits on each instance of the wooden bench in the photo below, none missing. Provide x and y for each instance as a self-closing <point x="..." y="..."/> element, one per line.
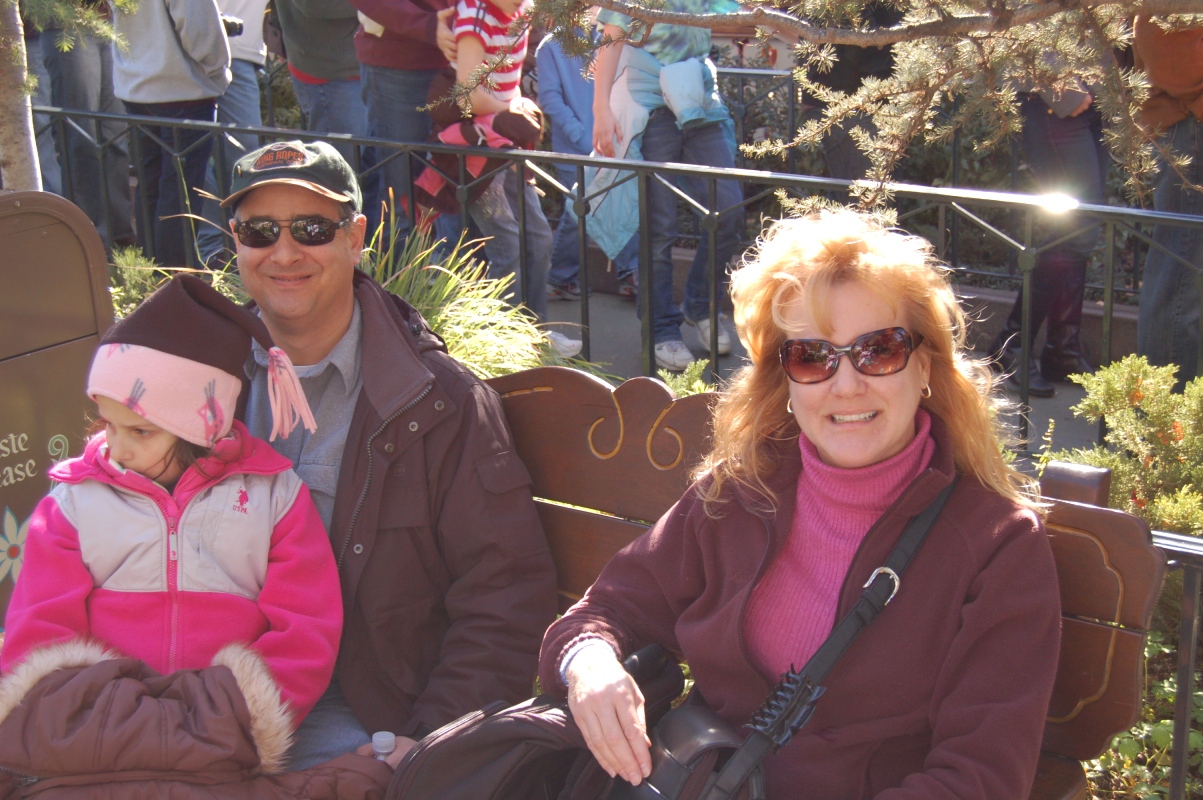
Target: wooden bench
<point x="606" y="463"/>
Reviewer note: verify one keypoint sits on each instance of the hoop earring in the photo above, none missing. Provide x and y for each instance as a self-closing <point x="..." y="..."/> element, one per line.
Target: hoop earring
<point x="925" y="393"/>
<point x="789" y="406"/>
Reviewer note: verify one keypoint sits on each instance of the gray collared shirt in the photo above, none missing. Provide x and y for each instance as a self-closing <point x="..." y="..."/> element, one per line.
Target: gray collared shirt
<point x="331" y="386"/>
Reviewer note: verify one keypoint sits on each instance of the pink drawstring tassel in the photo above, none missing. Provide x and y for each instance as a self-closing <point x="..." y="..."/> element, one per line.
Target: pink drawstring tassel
<point x="286" y="396"/>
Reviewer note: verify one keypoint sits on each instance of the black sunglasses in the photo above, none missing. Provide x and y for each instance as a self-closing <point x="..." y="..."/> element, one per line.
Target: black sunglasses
<point x="310" y="232"/>
<point x="882" y="352"/>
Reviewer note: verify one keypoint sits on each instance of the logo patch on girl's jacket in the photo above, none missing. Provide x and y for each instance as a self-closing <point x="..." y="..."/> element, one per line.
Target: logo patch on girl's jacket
<point x="243" y="498"/>
<point x="280" y="155"/>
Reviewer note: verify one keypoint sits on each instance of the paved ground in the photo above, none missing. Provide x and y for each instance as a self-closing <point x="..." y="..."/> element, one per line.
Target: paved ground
<point x="615" y="343"/>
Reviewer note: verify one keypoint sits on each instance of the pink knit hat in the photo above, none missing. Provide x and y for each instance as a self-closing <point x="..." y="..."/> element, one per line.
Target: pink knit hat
<point x="177" y="360"/>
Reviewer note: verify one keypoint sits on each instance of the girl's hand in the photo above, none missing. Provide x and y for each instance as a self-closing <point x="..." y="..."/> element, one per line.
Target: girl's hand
<point x="443" y="35"/>
<point x="608" y="708"/>
<point x="605" y="133"/>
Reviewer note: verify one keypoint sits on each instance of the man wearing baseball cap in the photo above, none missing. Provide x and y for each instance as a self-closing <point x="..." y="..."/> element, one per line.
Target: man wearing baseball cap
<point x="447" y="581"/>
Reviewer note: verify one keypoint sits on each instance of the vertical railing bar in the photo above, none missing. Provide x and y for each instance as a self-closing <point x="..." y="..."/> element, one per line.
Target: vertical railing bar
<point x="1199" y="341"/>
<point x="1108" y="308"/>
<point x="942" y="231"/>
<point x="102" y="165"/>
<point x="221" y="167"/>
<point x="1025" y="331"/>
<point x="582" y="251"/>
<point x="1011" y="258"/>
<point x="712" y="277"/>
<point x="462" y="194"/>
<point x="177" y="171"/>
<point x="742" y="132"/>
<point x="412" y="211"/>
<point x="146" y="231"/>
<point x="523" y="267"/>
<point x="60" y="126"/>
<point x="1188" y="643"/>
<point x="645" y="275"/>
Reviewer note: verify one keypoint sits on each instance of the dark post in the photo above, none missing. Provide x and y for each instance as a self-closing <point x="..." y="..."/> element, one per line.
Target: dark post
<point x="579" y="209"/>
<point x="645" y="274"/>
<point x="1188" y="643"/>
<point x="1027" y="265"/>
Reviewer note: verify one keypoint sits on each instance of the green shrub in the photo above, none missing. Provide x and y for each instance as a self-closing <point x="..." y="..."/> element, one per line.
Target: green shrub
<point x="132" y="276"/>
<point x="471" y="311"/>
<point x="689" y="381"/>
<point x="1154" y="442"/>
<point x="1154" y="449"/>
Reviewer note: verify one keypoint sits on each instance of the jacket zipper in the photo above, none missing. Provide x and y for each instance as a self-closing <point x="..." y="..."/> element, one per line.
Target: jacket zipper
<point x="363" y="495"/>
<point x="172" y="571"/>
<point x="23" y="778"/>
<point x="173" y="565"/>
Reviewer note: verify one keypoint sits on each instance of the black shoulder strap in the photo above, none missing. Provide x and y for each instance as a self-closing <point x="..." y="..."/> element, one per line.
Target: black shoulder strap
<point x="792" y="701"/>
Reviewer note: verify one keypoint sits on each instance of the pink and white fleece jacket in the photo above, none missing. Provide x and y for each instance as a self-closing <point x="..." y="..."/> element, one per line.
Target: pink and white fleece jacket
<point x="236" y="553"/>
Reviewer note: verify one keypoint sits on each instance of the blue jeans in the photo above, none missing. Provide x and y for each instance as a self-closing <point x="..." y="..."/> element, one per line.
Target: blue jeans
<point x="392" y="97"/>
<point x="238" y="106"/>
<point x="330" y="730"/>
<point x="82" y="78"/>
<point x="1168" y="327"/>
<point x="172" y="243"/>
<point x="52" y="176"/>
<point x="1066" y="156"/>
<point x="705" y="145"/>
<point x="495" y="213"/>
<point x="333" y="107"/>
<point x="566" y="249"/>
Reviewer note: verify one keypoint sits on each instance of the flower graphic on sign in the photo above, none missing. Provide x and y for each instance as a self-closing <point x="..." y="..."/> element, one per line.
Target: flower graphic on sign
<point x="12" y="545"/>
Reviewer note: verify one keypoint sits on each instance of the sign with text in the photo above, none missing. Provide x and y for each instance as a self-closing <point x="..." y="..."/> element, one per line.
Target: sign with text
<point x="54" y="304"/>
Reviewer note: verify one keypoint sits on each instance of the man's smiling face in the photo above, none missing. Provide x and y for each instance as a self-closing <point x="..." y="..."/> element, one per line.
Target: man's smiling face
<point x="298" y="286"/>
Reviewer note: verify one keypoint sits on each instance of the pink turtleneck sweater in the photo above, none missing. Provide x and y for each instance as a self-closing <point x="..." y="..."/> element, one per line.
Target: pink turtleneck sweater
<point x="793" y="608"/>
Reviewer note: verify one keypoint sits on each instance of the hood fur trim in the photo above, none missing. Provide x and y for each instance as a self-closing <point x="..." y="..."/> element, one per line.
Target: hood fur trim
<point x="42" y="661"/>
<point x="271" y="721"/>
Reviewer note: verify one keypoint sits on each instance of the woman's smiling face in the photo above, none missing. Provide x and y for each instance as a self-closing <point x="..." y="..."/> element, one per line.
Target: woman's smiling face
<point x="855" y="420"/>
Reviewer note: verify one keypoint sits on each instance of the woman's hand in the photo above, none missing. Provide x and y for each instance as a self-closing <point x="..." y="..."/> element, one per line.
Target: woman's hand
<point x="605" y="132"/>
<point x="404" y="745"/>
<point x="443" y="36"/>
<point x="608" y="708"/>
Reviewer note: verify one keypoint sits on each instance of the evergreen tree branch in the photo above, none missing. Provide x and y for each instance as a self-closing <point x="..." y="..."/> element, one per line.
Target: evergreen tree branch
<point x="995" y="18"/>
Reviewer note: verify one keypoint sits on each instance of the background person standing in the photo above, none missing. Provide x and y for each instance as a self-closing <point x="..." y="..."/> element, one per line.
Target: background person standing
<point x="177" y="65"/>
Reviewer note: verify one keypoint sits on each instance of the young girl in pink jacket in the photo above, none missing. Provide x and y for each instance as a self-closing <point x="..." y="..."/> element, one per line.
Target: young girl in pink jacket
<point x="178" y="538"/>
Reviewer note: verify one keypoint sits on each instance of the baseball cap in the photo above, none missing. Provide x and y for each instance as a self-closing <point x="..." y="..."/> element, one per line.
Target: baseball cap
<point x="316" y="166"/>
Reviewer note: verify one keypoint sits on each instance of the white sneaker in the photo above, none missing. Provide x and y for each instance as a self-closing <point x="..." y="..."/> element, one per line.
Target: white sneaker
<point x="673" y="356"/>
<point x="702" y="328"/>
<point x="563" y="346"/>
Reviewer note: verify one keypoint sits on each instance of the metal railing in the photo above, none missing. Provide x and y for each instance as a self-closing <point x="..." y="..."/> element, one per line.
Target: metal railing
<point x="1185" y="553"/>
<point x="1009" y="220"/>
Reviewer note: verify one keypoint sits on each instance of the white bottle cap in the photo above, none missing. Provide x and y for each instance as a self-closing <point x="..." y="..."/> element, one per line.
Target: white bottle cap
<point x="383" y="743"/>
